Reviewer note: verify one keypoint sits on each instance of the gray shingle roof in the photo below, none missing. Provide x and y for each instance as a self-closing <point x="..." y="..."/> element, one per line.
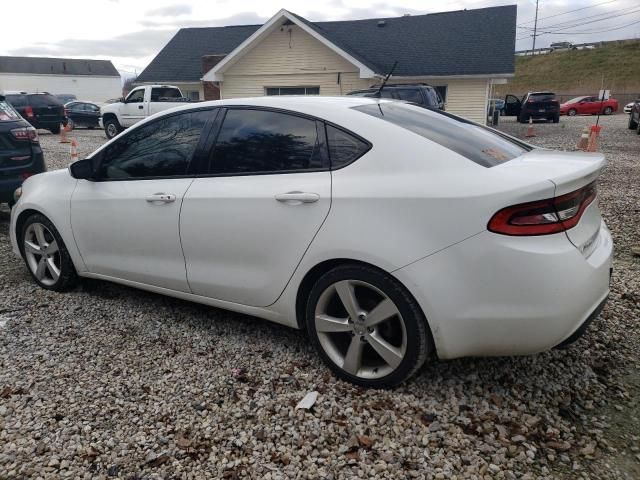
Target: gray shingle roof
<point x="465" y="42"/>
<point x="57" y="66"/>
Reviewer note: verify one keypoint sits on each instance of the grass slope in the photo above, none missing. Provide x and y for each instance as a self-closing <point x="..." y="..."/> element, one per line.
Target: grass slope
<point x="579" y="71"/>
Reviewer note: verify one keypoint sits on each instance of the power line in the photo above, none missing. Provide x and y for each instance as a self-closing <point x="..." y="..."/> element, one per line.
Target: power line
<point x="569" y="11"/>
<point x="593" y="31"/>
<point x="579" y="23"/>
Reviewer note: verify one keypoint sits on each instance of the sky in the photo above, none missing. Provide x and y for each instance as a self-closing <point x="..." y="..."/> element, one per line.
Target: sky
<point x="130" y="34"/>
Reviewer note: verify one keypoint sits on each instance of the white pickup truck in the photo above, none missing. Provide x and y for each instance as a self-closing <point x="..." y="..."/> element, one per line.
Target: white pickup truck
<point x="139" y="104"/>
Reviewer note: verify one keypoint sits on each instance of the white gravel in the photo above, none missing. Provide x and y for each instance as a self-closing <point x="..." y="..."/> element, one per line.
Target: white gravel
<point x="108" y="381"/>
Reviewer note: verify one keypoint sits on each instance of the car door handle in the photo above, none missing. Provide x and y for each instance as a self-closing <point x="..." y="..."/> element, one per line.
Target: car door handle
<point x="296" y="198"/>
<point x="161" y="198"/>
<point x="140" y="107"/>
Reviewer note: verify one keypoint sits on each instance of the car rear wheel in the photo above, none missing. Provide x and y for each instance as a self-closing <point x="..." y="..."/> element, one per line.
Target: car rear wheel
<point x="572" y="112"/>
<point x="367" y="327"/>
<point x="112" y="128"/>
<point x="556" y="118"/>
<point x="46" y="255"/>
<point x="608" y="111"/>
<point x="632" y="123"/>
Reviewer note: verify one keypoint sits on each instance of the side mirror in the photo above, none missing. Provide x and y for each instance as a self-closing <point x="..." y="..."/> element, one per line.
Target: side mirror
<point x="122" y="100"/>
<point x="82" y="169"/>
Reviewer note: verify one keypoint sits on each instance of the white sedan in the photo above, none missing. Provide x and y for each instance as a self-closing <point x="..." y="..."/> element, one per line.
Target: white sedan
<point x="627" y="108"/>
<point x="392" y="233"/>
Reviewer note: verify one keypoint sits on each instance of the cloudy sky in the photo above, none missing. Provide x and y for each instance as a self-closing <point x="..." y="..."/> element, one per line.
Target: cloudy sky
<point x="131" y="33"/>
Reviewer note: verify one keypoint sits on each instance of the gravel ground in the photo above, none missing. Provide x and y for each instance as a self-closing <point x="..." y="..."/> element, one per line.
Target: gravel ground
<point x="108" y="381"/>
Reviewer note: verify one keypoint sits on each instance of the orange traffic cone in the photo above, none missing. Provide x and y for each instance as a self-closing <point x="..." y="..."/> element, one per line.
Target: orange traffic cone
<point x="593" y="138"/>
<point x="74" y="150"/>
<point x="584" y="140"/>
<point x="530" y="132"/>
<point x="63" y="133"/>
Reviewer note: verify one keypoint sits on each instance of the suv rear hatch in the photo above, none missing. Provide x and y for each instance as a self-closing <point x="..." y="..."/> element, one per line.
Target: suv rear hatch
<point x="47" y="109"/>
<point x="542" y="103"/>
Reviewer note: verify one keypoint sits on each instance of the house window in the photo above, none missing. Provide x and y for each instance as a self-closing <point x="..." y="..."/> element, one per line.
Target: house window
<point x="292" y="91"/>
<point x="192" y="95"/>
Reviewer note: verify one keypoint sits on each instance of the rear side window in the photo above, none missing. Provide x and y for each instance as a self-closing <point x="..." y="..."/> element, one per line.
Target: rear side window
<point x="479" y="144"/>
<point x="159" y="94"/>
<point x="410" y="95"/>
<point x="44" y="100"/>
<point x="260" y="141"/>
<point x="7" y="112"/>
<point x="344" y="148"/>
<point x="162" y="148"/>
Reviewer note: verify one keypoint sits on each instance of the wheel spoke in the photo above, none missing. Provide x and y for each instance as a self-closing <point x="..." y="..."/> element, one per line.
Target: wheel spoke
<point x="42" y="266"/>
<point x="353" y="358"/>
<point x="348" y="298"/>
<point x="31" y="247"/>
<point x="39" y="231"/>
<point x="384" y="310"/>
<point x="327" y="323"/>
<point x="52" y="248"/>
<point x="389" y="353"/>
<point x="53" y="269"/>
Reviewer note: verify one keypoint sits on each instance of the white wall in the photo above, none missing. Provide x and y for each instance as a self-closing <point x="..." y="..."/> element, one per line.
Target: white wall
<point x="92" y="88"/>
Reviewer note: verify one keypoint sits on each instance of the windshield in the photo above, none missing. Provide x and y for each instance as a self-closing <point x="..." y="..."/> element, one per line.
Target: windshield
<point x="575" y="100"/>
<point x="542" y="97"/>
<point x="7" y="113"/>
<point x="44" y="100"/>
<point x="479" y="144"/>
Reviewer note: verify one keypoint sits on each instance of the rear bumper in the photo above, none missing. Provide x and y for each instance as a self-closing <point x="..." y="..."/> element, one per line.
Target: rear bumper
<point x="9" y="183"/>
<point x="498" y="295"/>
<point x="583" y="328"/>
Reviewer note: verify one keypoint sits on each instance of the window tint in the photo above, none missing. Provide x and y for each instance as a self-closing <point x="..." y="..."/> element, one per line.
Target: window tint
<point x="17" y="100"/>
<point x="7" y="112"/>
<point x="410" y="95"/>
<point x="159" y="94"/>
<point x="136" y="96"/>
<point x="162" y="148"/>
<point x="479" y="144"/>
<point x="292" y="91"/>
<point x="253" y="141"/>
<point x="44" y="100"/>
<point x="344" y="148"/>
<point x="542" y="97"/>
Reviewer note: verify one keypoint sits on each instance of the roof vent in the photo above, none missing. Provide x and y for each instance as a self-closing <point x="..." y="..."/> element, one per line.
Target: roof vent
<point x="381" y="23"/>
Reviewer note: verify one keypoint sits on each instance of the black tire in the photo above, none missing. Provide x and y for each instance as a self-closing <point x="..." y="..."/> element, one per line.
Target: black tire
<point x="112" y="128"/>
<point x="572" y="112"/>
<point x="608" y="111"/>
<point x="632" y="125"/>
<point x="55" y="130"/>
<point x="418" y="335"/>
<point x="68" y="277"/>
<point x="556" y="118"/>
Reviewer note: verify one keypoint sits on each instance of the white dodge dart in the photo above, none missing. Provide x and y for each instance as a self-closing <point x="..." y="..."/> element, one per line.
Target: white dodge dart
<point x="390" y="232"/>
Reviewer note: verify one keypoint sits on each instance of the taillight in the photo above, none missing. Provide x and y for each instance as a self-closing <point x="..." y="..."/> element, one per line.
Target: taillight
<point x="28" y="111"/>
<point x="25" y="134"/>
<point x="544" y="217"/>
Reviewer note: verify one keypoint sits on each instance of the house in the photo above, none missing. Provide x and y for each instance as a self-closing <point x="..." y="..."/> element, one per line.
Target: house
<point x="462" y="53"/>
<point x="93" y="80"/>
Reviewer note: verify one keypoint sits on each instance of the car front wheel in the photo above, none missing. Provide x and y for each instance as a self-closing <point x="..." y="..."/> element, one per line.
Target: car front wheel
<point x="367" y="327"/>
<point x="46" y="255"/>
<point x="112" y="128"/>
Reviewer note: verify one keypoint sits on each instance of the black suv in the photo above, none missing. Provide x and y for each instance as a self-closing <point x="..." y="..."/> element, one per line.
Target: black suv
<point x="42" y="110"/>
<point x="533" y="105"/>
<point x="20" y="152"/>
<point x="422" y="94"/>
<point x="634" y="116"/>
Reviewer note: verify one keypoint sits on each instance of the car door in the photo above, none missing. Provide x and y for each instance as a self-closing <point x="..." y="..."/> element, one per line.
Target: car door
<point x="78" y="114"/>
<point x="246" y="226"/>
<point x="512" y="105"/>
<point x="133" y="109"/>
<point x="125" y="220"/>
<point x="93" y="114"/>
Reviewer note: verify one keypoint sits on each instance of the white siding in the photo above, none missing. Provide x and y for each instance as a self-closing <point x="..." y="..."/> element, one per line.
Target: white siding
<point x="290" y="59"/>
<point x="84" y="87"/>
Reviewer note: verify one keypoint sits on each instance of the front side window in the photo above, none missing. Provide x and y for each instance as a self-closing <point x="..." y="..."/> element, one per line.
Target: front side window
<point x="479" y="144"/>
<point x="136" y="96"/>
<point x="260" y="141"/>
<point x="292" y="91"/>
<point x="162" y="148"/>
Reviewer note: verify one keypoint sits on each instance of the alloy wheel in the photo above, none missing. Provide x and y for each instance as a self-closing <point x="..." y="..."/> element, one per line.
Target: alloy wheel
<point x="112" y="130"/>
<point x="360" y="329"/>
<point x="42" y="253"/>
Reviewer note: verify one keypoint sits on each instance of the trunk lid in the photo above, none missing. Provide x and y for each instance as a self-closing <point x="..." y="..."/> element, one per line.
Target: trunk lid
<point x="568" y="171"/>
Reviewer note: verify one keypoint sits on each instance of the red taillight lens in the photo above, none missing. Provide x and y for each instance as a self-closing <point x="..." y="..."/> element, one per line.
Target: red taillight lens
<point x="28" y="111"/>
<point x="25" y="134"/>
<point x="544" y="217"/>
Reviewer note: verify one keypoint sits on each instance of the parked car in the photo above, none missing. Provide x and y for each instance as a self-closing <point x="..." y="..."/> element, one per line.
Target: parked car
<point x="354" y="218"/>
<point x="20" y="152"/>
<point x="42" y="110"/>
<point x="496" y="104"/>
<point x="559" y="46"/>
<point x="588" y="105"/>
<point x="634" y="117"/>
<point x="532" y="106"/>
<point x="627" y="108"/>
<point x="66" y="97"/>
<point x="82" y="114"/>
<point x="139" y="104"/>
<point x="421" y="94"/>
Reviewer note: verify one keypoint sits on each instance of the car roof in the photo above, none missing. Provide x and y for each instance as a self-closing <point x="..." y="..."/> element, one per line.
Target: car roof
<point x="541" y="93"/>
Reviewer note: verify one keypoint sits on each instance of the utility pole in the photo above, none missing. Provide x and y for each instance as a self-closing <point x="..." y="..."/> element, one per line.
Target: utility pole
<point x="535" y="28"/>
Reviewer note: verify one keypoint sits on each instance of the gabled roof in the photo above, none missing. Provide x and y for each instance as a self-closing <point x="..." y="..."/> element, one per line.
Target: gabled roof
<point x="57" y="66"/>
<point x="464" y="42"/>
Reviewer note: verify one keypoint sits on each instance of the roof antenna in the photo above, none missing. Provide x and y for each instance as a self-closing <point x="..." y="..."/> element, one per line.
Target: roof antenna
<point x="384" y="82"/>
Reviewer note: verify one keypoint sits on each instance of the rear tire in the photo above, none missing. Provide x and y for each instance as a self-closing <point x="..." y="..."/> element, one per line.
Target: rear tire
<point x="556" y="118"/>
<point x="112" y="128"/>
<point x="608" y="111"/>
<point x="572" y="112"/>
<point x="46" y="255"/>
<point x="351" y="346"/>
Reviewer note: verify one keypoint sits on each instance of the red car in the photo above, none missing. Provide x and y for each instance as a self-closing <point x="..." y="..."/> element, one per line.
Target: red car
<point x="588" y="105"/>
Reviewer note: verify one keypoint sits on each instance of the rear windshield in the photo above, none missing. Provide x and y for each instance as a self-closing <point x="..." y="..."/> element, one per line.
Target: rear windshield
<point x="7" y="113"/>
<point x="479" y="144"/>
<point x="542" y="97"/>
<point x="17" y="100"/>
<point x="43" y="100"/>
